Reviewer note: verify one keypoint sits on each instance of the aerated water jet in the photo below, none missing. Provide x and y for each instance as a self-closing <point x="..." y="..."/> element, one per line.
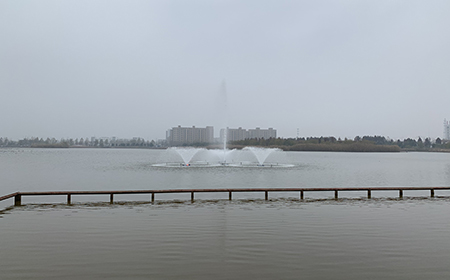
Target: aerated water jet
<point x="261" y="154"/>
<point x="201" y="157"/>
<point x="186" y="154"/>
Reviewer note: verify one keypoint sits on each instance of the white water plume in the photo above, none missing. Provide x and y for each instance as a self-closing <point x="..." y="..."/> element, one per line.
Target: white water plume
<point x="186" y="153"/>
<point x="261" y="154"/>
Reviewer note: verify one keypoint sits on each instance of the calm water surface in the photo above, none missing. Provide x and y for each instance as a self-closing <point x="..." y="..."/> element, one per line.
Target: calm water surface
<point x="212" y="238"/>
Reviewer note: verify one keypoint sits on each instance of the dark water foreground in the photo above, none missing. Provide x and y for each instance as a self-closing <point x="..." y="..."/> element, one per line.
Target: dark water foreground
<point x="242" y="239"/>
<point x="214" y="238"/>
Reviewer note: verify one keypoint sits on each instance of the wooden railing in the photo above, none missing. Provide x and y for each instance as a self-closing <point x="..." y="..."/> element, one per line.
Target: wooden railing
<point x="18" y="195"/>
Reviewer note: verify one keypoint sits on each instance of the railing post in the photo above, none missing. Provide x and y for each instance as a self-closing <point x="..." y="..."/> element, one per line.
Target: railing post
<point x="153" y="197"/>
<point x="369" y="194"/>
<point x="111" y="198"/>
<point x="400" y="193"/>
<point x="192" y="196"/>
<point x="432" y="193"/>
<point x="69" y="199"/>
<point x="230" y="196"/>
<point x="17" y="200"/>
<point x="267" y="195"/>
<point x="301" y="195"/>
<point x="336" y="194"/>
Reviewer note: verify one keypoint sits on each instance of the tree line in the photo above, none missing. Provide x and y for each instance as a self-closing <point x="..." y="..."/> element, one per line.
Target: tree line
<point x="358" y="144"/>
<point x="35" y="142"/>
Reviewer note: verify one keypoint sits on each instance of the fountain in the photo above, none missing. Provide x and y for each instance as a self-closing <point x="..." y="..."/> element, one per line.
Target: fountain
<point x="186" y="154"/>
<point x="224" y="157"/>
<point x="201" y="157"/>
<point x="261" y="154"/>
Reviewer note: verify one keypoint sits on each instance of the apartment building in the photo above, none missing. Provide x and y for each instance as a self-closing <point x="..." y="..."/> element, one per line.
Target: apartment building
<point x="237" y="134"/>
<point x="178" y="136"/>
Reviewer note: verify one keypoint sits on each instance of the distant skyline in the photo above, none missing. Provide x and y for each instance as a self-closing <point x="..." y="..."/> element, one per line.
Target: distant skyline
<point x="71" y="69"/>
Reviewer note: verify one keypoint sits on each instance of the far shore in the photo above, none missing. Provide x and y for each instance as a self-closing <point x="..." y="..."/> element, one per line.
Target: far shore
<point x="354" y="147"/>
<point x="327" y="147"/>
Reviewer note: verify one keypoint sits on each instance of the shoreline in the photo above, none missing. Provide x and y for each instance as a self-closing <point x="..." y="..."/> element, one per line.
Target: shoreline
<point x="328" y="147"/>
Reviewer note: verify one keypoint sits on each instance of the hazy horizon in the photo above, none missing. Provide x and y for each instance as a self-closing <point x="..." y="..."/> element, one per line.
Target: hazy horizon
<point x="71" y="69"/>
<point x="216" y="137"/>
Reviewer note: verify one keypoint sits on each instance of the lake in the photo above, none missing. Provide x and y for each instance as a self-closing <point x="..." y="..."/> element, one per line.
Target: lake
<point x="213" y="238"/>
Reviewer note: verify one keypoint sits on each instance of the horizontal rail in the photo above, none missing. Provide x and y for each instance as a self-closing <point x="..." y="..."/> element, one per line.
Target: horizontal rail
<point x="230" y="190"/>
<point x="18" y="195"/>
<point x="8" y="196"/>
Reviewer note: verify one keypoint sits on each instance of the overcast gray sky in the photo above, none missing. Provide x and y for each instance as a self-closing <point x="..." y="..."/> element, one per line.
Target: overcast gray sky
<point x="136" y="68"/>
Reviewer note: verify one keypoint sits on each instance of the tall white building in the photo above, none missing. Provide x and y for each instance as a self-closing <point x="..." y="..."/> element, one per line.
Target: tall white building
<point x="177" y="136"/>
<point x="237" y="134"/>
<point x="446" y="130"/>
